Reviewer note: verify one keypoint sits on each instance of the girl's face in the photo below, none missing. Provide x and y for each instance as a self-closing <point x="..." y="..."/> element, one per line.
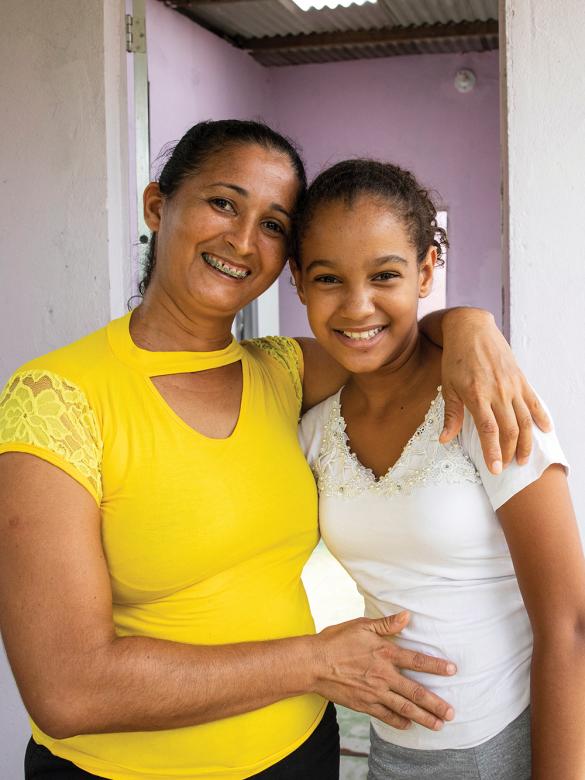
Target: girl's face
<point x="222" y="237"/>
<point x="361" y="282"/>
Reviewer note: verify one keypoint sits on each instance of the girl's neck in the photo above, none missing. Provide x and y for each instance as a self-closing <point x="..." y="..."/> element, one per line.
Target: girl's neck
<point x="160" y="324"/>
<point x="405" y="377"/>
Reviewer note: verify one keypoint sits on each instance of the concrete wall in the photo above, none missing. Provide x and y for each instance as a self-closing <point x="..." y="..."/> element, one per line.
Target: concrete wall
<point x="545" y="191"/>
<point x="406" y="109"/>
<point x="64" y="240"/>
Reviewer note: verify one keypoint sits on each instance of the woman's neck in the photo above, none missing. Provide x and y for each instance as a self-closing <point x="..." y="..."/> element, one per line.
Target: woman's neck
<point x="405" y="377"/>
<point x="159" y="324"/>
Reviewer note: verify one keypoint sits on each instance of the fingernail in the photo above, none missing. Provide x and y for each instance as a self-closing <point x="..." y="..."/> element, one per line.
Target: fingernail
<point x="438" y="725"/>
<point x="451" y="669"/>
<point x="522" y="461"/>
<point x="496" y="467"/>
<point x="450" y="714"/>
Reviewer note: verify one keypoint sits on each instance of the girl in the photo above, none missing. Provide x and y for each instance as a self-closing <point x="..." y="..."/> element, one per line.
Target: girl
<point x="489" y="566"/>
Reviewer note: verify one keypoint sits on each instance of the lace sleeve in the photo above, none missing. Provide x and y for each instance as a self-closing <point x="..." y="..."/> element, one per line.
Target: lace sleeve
<point x="288" y="353"/>
<point x="43" y="414"/>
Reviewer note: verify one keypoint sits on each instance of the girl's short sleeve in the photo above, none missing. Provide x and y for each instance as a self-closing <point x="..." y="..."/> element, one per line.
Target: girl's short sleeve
<point x="288" y="353"/>
<point x="500" y="488"/>
<point x="43" y="414"/>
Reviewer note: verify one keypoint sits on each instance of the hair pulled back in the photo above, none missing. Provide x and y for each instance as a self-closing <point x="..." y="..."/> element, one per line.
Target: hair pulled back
<point x="201" y="142"/>
<point x="388" y="184"/>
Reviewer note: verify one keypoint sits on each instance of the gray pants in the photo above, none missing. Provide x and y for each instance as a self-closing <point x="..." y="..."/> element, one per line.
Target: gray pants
<point x="504" y="757"/>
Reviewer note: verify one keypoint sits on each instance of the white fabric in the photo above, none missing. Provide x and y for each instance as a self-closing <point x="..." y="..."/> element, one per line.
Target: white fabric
<point x="426" y="538"/>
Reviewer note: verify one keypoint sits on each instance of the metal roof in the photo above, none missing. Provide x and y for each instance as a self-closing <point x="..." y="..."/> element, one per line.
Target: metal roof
<point x="251" y="24"/>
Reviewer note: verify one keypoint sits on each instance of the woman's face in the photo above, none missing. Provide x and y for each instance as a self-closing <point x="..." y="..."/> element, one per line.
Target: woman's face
<point x="222" y="237"/>
<point x="361" y="282"/>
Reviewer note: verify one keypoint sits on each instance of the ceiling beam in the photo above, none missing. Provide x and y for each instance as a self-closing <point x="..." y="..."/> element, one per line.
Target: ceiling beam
<point x="331" y="40"/>
<point x="194" y="4"/>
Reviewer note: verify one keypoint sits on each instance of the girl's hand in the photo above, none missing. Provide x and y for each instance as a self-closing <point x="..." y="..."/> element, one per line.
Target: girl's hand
<point x="358" y="666"/>
<point x="480" y="372"/>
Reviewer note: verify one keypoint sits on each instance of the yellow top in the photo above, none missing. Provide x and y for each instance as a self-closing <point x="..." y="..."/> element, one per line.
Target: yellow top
<point x="205" y="538"/>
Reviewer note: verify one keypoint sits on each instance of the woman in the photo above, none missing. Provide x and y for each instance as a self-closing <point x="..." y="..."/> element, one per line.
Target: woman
<point x="481" y="561"/>
<point x="157" y="512"/>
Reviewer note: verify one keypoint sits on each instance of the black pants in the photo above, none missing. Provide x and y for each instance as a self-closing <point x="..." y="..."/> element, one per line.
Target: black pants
<point x="315" y="759"/>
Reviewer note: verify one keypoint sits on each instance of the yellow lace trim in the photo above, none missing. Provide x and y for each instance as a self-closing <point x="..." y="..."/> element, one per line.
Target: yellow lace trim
<point x="283" y="350"/>
<point x="41" y="409"/>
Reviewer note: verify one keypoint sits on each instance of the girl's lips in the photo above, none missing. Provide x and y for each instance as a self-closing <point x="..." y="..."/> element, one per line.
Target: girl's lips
<point x="359" y="342"/>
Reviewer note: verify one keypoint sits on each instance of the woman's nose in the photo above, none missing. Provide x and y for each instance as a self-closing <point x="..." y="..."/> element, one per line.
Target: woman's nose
<point x="242" y="237"/>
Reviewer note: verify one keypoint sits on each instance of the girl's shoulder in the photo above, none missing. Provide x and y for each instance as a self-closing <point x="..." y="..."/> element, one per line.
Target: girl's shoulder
<point x="546" y="450"/>
<point x="313" y="425"/>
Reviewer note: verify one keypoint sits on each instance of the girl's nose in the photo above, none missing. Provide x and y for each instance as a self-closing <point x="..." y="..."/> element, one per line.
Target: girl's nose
<point x="358" y="304"/>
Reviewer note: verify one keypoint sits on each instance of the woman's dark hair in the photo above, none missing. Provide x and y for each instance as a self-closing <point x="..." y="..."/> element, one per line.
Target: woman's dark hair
<point x="201" y="142"/>
<point x="387" y="183"/>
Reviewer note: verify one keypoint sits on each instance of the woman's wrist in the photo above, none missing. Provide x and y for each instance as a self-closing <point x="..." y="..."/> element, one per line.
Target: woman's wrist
<point x="458" y="315"/>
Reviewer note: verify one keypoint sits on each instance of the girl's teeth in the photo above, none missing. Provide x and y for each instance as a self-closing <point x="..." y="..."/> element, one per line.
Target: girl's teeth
<point x="361" y="335"/>
<point x="224" y="268"/>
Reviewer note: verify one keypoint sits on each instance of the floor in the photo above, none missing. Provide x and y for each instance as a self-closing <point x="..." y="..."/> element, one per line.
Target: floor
<point x="334" y="598"/>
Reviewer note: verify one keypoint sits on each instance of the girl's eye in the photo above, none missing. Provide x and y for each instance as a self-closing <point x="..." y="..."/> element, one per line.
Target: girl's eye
<point x="222" y="203"/>
<point x="385" y="276"/>
<point x="327" y="279"/>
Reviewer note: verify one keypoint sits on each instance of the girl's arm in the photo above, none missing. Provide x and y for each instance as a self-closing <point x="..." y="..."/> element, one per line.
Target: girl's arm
<point x="76" y="676"/>
<point x="543" y="538"/>
<point x="479" y="371"/>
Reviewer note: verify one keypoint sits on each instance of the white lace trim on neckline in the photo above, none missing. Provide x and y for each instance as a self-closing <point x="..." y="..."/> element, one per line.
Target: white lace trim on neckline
<point x="423" y="459"/>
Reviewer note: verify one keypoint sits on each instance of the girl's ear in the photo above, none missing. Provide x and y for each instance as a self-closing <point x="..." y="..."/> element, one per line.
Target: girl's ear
<point x="153" y="201"/>
<point x="298" y="279"/>
<point x="425" y="272"/>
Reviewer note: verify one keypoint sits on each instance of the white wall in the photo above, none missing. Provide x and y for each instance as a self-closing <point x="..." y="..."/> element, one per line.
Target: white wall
<point x="545" y="138"/>
<point x="63" y="203"/>
<point x="61" y="195"/>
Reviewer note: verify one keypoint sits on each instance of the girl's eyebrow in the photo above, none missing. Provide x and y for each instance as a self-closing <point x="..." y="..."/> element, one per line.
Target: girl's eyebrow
<point x="376" y="262"/>
<point x="244" y="193"/>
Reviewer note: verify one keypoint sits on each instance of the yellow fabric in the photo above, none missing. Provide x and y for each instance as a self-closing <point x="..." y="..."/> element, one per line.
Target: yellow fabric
<point x="205" y="538"/>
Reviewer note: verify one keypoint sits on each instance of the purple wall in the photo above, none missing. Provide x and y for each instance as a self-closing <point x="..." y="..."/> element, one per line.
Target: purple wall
<point x="404" y="109"/>
<point x="195" y="75"/>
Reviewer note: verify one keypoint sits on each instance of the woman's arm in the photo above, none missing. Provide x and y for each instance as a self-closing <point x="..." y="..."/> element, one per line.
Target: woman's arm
<point x="478" y="371"/>
<point x="543" y="538"/>
<point x="77" y="676"/>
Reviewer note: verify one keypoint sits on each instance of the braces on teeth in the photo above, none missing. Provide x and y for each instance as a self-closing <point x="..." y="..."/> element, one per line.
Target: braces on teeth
<point x="226" y="269"/>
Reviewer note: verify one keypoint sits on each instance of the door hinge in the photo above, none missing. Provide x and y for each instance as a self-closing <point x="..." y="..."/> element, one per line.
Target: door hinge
<point x="135" y="34"/>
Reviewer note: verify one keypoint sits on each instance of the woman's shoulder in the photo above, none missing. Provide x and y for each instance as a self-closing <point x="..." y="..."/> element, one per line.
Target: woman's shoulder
<point x="313" y="424"/>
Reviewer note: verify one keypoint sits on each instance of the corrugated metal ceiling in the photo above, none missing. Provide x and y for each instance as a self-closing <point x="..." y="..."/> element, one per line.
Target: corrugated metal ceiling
<point x="245" y="22"/>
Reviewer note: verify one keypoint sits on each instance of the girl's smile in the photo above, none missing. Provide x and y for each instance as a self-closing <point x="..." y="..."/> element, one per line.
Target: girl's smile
<point x="360" y="280"/>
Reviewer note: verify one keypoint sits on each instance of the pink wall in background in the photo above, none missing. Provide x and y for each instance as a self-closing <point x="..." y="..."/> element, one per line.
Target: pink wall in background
<point x="195" y="75"/>
<point x="406" y="109"/>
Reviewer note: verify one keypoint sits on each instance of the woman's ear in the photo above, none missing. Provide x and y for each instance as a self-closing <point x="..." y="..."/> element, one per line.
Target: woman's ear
<point x="298" y="279"/>
<point x="153" y="201"/>
<point x="425" y="272"/>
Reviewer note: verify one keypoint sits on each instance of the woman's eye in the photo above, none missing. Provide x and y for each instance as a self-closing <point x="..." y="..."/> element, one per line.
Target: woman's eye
<point x="326" y="279"/>
<point x="385" y="276"/>
<point x="222" y="203"/>
<point x="274" y="227"/>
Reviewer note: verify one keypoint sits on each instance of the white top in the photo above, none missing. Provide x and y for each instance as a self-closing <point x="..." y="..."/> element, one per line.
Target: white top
<point x="425" y="537"/>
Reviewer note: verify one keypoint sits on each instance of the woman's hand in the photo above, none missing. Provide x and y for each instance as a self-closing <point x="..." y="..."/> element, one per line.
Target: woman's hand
<point x="359" y="666"/>
<point x="480" y="372"/>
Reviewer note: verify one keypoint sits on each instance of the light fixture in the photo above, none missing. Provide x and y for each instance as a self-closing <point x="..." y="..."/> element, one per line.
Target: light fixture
<point x="318" y="5"/>
<point x="464" y="80"/>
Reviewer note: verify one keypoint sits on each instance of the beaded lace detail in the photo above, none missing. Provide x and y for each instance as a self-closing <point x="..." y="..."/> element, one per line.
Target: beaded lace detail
<point x="283" y="350"/>
<point x="43" y="410"/>
<point x="423" y="460"/>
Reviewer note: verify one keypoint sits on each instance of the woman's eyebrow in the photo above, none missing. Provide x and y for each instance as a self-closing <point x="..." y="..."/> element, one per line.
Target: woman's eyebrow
<point x="389" y="259"/>
<point x="244" y="193"/>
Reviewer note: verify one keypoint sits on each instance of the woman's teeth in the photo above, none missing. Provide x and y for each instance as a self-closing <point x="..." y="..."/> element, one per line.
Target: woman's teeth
<point x="362" y="335"/>
<point x="225" y="268"/>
